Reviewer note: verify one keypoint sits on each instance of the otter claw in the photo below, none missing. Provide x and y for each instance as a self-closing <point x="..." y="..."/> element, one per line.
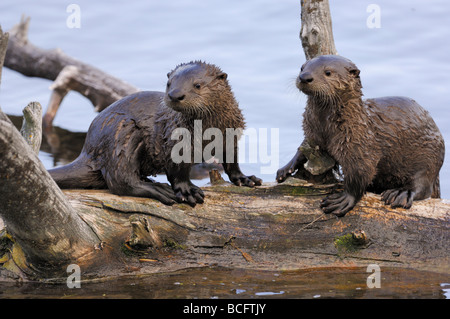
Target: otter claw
<point x="189" y="193"/>
<point x="398" y="198"/>
<point x="338" y="204"/>
<point x="283" y="174"/>
<point x="249" y="181"/>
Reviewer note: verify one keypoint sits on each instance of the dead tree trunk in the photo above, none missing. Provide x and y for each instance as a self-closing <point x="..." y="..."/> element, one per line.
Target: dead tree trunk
<point x="316" y="32"/>
<point x="36" y="213"/>
<point x="67" y="73"/>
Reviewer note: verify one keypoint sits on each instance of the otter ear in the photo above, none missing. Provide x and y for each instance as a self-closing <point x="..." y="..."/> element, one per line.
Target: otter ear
<point x="168" y="74"/>
<point x="354" y="71"/>
<point x="222" y="76"/>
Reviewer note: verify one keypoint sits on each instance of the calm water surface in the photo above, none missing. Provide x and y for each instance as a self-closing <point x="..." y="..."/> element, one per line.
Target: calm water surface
<point x="256" y="42"/>
<point x="219" y="283"/>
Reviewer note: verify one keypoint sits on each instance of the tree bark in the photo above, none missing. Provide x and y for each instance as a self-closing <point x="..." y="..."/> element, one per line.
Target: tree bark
<point x="273" y="227"/>
<point x="3" y="46"/>
<point x="67" y="73"/>
<point x="37" y="215"/>
<point x="316" y="31"/>
<point x="32" y="125"/>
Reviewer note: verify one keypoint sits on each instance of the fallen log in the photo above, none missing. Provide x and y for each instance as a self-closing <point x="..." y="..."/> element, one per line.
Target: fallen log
<point x="47" y="230"/>
<point x="272" y="227"/>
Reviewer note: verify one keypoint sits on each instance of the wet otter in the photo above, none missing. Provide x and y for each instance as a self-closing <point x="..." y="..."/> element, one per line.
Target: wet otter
<point x="387" y="145"/>
<point x="132" y="138"/>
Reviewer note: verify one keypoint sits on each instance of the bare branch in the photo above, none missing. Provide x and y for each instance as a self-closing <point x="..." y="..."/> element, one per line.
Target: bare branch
<point x="68" y="73"/>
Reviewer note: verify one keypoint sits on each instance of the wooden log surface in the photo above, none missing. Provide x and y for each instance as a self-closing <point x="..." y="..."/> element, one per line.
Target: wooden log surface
<point x="273" y="227"/>
<point x="44" y="231"/>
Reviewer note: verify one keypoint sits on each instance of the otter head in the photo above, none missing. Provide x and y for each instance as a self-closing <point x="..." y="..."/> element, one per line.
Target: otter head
<point x="195" y="88"/>
<point x="328" y="77"/>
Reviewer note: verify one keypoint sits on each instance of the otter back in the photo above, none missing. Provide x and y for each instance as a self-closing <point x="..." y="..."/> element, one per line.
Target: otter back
<point x="132" y="138"/>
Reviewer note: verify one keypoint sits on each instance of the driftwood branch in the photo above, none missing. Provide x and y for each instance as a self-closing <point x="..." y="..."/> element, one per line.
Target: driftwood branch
<point x="67" y="73"/>
<point x="32" y="125"/>
<point x="3" y="46"/>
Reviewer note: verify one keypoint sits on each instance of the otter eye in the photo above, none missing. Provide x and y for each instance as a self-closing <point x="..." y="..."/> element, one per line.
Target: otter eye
<point x="197" y="86"/>
<point x="327" y="73"/>
<point x="168" y="84"/>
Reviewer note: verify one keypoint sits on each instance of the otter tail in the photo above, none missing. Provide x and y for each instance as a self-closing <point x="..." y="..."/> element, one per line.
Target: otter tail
<point x="77" y="175"/>
<point x="436" y="189"/>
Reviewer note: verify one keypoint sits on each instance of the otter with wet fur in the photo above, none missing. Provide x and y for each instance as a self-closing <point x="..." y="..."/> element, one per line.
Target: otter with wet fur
<point x="132" y="138"/>
<point x="387" y="145"/>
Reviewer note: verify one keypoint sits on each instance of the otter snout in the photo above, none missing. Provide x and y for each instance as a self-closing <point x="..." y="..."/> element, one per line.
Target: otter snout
<point x="176" y="95"/>
<point x="303" y="82"/>
<point x="305" y="77"/>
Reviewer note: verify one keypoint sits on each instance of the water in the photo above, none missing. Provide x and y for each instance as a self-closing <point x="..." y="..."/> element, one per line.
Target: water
<point x="256" y="42"/>
<point x="220" y="283"/>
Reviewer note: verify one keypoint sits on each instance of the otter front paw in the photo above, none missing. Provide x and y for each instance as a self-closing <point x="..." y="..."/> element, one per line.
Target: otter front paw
<point x="243" y="180"/>
<point x="187" y="192"/>
<point x="284" y="172"/>
<point x="338" y="204"/>
<point x="163" y="192"/>
<point x="287" y="170"/>
<point x="398" y="198"/>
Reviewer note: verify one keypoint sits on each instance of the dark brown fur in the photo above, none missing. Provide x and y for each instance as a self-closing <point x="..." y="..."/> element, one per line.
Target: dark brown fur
<point x="131" y="139"/>
<point x="389" y="144"/>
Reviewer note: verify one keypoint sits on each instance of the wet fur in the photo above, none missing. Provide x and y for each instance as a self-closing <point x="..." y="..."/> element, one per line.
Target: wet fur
<point x="131" y="139"/>
<point x="388" y="145"/>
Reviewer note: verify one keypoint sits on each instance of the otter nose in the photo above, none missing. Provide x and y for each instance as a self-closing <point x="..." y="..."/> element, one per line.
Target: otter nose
<point x="176" y="95"/>
<point x="306" y="77"/>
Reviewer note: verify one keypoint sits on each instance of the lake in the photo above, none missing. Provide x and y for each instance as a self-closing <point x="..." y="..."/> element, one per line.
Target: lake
<point x="224" y="283"/>
<point x="255" y="42"/>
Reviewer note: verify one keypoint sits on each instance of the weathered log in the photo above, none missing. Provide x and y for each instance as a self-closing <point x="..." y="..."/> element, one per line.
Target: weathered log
<point x="68" y="73"/>
<point x="272" y="227"/>
<point x="47" y="232"/>
<point x="32" y="125"/>
<point x="316" y="31"/>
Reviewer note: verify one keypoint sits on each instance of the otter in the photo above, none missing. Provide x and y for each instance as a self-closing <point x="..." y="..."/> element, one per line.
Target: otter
<point x="132" y="138"/>
<point x="388" y="145"/>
